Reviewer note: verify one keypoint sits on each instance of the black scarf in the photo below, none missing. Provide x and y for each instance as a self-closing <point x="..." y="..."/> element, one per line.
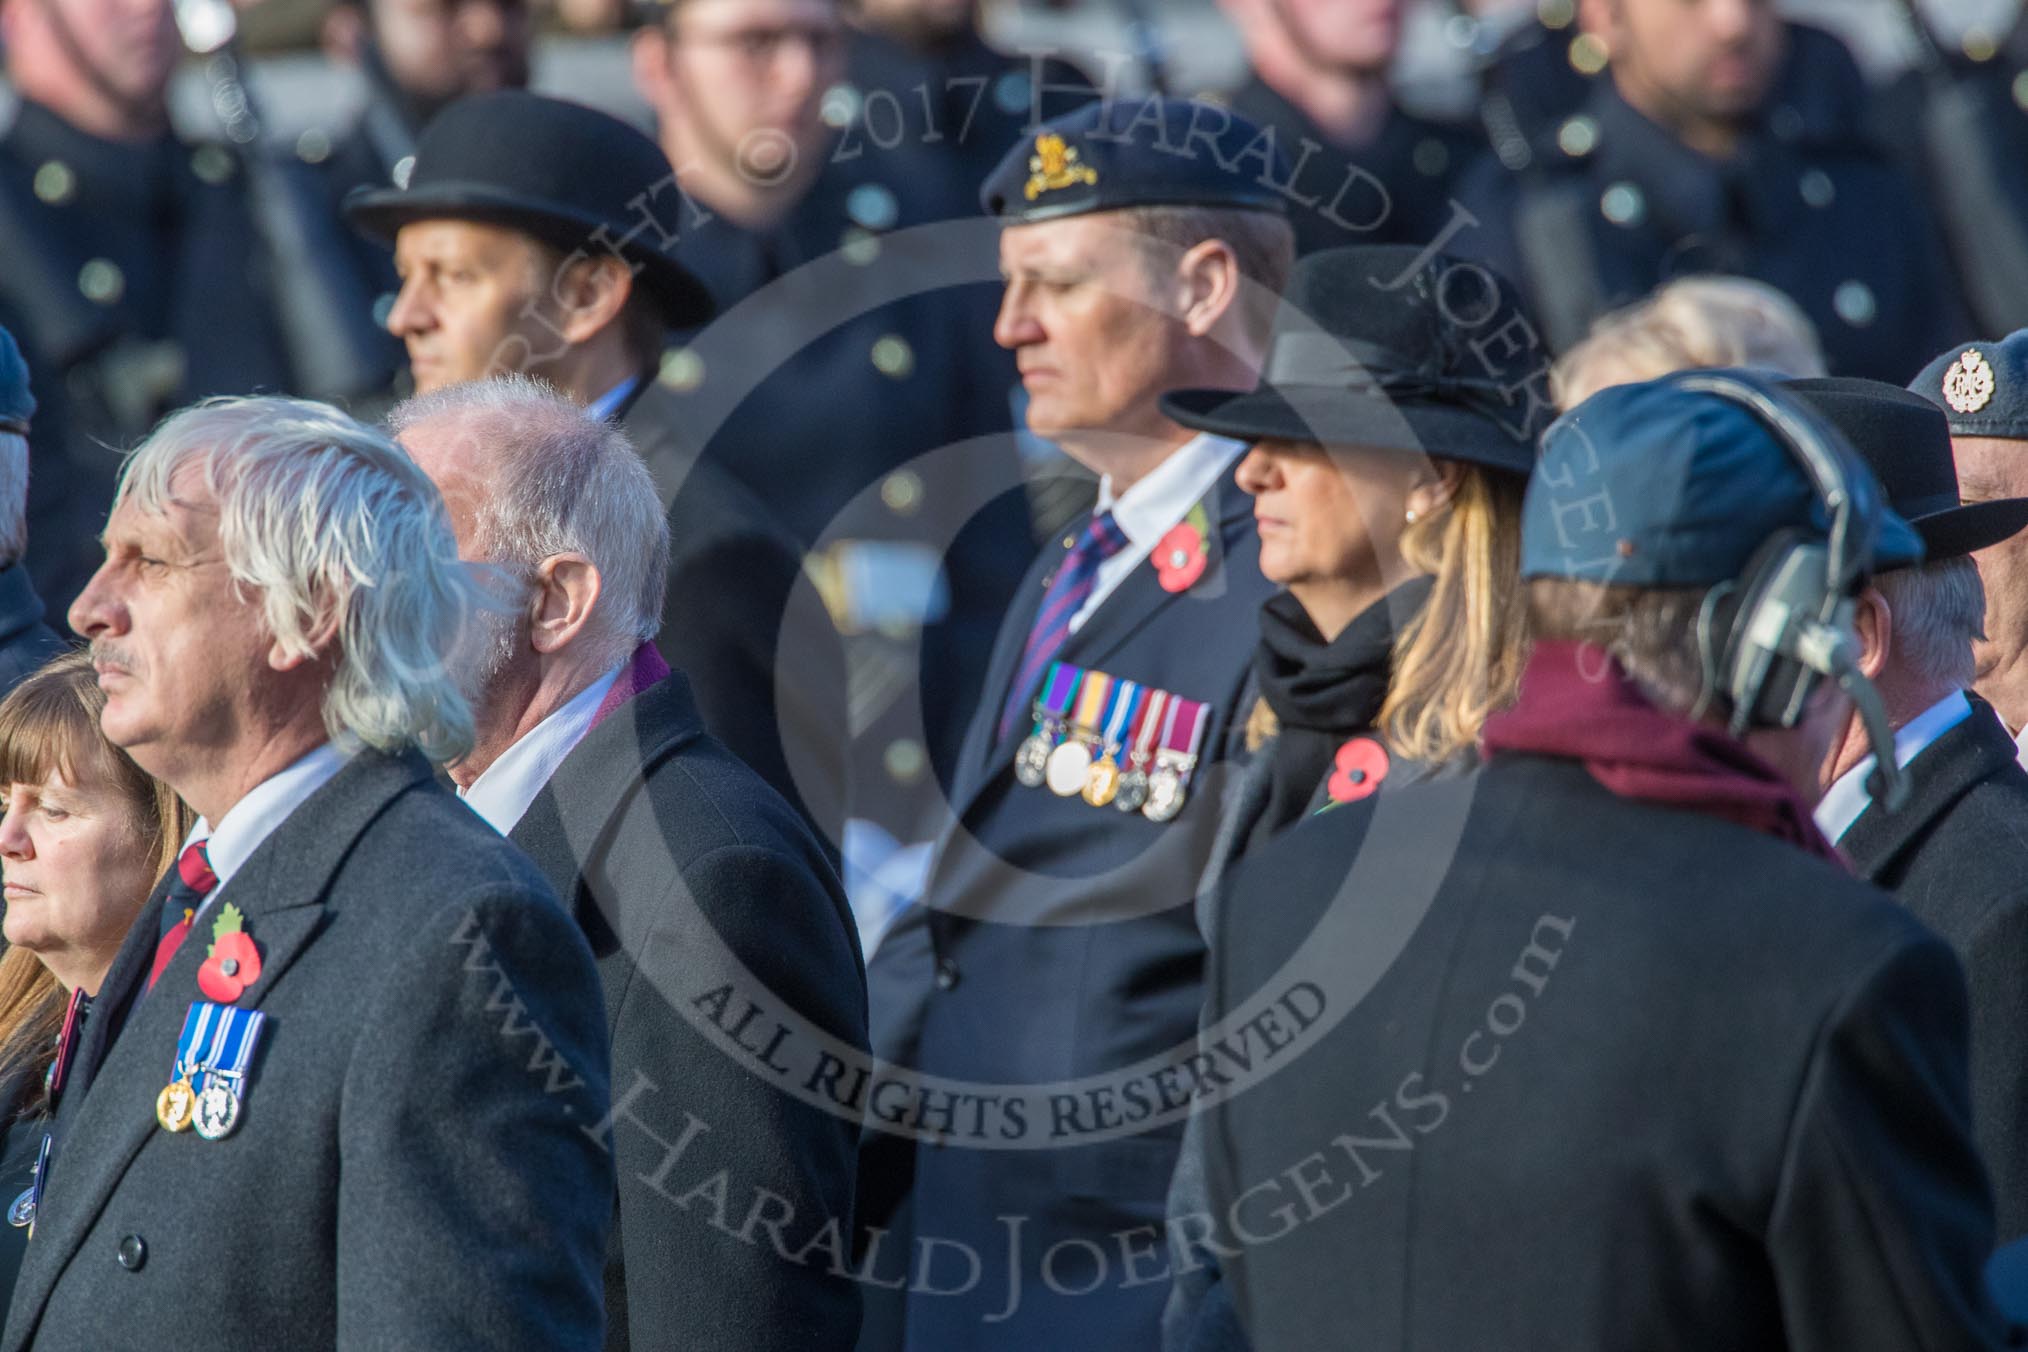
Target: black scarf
<point x="1321" y="693"/>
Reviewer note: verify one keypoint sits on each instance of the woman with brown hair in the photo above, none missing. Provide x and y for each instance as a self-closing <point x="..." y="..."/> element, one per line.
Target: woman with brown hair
<point x="84" y="834"/>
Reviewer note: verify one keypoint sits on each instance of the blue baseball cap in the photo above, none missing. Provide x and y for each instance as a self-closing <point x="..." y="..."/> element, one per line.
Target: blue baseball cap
<point x="1657" y="485"/>
<point x="17" y="405"/>
<point x="1139" y="152"/>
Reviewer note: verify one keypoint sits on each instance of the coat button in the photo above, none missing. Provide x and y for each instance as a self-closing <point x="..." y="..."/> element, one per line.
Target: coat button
<point x="947" y="973"/>
<point x="133" y="1253"/>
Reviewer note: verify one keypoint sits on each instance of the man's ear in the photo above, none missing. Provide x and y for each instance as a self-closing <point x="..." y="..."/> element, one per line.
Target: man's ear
<point x="654" y="73"/>
<point x="590" y="292"/>
<point x="1208" y="282"/>
<point x="567" y="588"/>
<point x="1874" y="620"/>
<point x="317" y="643"/>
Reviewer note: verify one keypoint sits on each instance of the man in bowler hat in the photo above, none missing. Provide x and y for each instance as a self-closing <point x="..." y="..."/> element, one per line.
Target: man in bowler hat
<point x="1952" y="853"/>
<point x="25" y="641"/>
<point x="534" y="236"/>
<point x="334" y="1091"/>
<point x="1619" y="1053"/>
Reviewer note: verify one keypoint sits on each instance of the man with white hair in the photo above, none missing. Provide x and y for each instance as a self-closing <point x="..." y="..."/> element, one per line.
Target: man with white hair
<point x="25" y="641"/>
<point x="702" y="892"/>
<point x="405" y="1158"/>
<point x="1954" y="855"/>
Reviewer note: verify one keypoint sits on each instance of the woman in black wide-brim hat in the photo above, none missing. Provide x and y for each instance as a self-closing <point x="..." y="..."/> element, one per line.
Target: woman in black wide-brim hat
<point x="1392" y="433"/>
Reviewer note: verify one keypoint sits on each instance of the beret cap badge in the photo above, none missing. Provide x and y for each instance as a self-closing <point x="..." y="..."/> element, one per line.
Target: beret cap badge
<point x="1055" y="165"/>
<point x="1968" y="385"/>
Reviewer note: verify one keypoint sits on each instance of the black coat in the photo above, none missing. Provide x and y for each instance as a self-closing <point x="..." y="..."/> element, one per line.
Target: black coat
<point x="25" y="641"/>
<point x="1957" y="857"/>
<point x="1562" y="1070"/>
<point x="412" y="1168"/>
<point x="672" y="854"/>
<point x="759" y="651"/>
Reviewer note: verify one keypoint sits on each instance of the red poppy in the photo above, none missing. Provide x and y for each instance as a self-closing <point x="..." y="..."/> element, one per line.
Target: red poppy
<point x="234" y="965"/>
<point x="1359" y="768"/>
<point x="1179" y="557"/>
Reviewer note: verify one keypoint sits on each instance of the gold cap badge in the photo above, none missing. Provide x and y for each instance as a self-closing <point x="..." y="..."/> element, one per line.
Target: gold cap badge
<point x="1054" y="165"/>
<point x="1968" y="385"/>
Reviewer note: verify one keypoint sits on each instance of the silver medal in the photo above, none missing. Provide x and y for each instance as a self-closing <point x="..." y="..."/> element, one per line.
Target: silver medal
<point x="217" y="1108"/>
<point x="1068" y="765"/>
<point x="1165" y="794"/>
<point x="1032" y="761"/>
<point x="1133" y="791"/>
<point x="22" y="1213"/>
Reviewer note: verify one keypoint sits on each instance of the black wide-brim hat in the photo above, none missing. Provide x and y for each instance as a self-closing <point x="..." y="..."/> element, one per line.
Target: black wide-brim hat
<point x="1389" y="348"/>
<point x="1906" y="440"/>
<point x="571" y="176"/>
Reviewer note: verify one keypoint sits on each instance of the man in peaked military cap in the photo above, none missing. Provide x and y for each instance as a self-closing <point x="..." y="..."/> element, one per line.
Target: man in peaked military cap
<point x="1647" y="1067"/>
<point x="25" y="641"/>
<point x="1983" y="390"/>
<point x="1682" y="161"/>
<point x="1951" y="853"/>
<point x="1058" y="938"/>
<point x="531" y="238"/>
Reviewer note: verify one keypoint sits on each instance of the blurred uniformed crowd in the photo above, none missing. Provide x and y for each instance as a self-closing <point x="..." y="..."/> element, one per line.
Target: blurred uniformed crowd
<point x="1099" y="446"/>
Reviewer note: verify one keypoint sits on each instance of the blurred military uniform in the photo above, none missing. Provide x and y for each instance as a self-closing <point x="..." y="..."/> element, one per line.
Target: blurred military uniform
<point x="133" y="280"/>
<point x="1613" y="204"/>
<point x="25" y="641"/>
<point x="817" y="390"/>
<point x="1395" y="190"/>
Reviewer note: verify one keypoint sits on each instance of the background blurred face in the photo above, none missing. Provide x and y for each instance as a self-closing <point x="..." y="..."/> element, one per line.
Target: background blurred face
<point x="439" y="50"/>
<point x="76" y="867"/>
<point x="746" y="81"/>
<point x="1084" y="316"/>
<point x="180" y="650"/>
<point x="130" y="45"/>
<point x="1326" y="517"/>
<point x="919" y="20"/>
<point x="467" y="304"/>
<point x="1356" y="35"/>
<point x="1691" y="59"/>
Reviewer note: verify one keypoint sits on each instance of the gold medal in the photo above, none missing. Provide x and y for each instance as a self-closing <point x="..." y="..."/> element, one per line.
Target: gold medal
<point x="1101" y="782"/>
<point x="176" y="1106"/>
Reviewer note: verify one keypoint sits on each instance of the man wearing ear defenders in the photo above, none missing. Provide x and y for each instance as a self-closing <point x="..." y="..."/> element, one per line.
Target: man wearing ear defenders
<point x="1620" y="1053"/>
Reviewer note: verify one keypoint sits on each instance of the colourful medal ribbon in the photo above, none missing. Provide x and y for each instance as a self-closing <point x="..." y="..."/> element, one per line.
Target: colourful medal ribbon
<point x="1148" y="724"/>
<point x="1165" y="739"/>
<point x="1192" y="722"/>
<point x="200" y="1026"/>
<point x="1058" y="688"/>
<point x="1127" y="699"/>
<point x="1091" y="700"/>
<point x="239" y="1032"/>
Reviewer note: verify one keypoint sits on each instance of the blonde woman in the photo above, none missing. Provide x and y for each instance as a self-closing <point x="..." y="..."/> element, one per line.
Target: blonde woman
<point x="1694" y="322"/>
<point x="84" y="834"/>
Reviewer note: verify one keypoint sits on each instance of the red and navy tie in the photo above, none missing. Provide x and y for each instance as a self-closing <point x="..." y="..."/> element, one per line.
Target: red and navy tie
<point x="192" y="884"/>
<point x="1068" y="591"/>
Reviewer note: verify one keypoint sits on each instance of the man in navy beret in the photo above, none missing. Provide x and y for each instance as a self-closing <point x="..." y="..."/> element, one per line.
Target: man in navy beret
<point x="25" y="641"/>
<point x="1144" y="246"/>
<point x="1982" y="388"/>
<point x="1620" y="1055"/>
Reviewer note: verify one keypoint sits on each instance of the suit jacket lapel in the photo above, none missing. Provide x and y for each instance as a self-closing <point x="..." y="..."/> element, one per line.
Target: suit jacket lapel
<point x="1947" y="769"/>
<point x="280" y="890"/>
<point x="1128" y="608"/>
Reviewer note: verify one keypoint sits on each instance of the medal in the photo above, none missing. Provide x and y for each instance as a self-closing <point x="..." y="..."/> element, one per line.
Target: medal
<point x="212" y="1056"/>
<point x="1102" y="780"/>
<point x="1132" y="791"/>
<point x="22" y="1213"/>
<point x="1169" y="781"/>
<point x="1071" y="760"/>
<point x="178" y="1100"/>
<point x="175" y="1105"/>
<point x="1031" y="762"/>
<point x="218" y="1107"/>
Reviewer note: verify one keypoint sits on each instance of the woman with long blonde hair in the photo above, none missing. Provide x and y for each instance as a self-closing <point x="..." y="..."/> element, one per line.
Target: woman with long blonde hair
<point x="84" y="834"/>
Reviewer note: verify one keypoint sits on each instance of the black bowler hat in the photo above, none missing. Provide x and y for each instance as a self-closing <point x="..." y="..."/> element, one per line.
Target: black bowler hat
<point x="1385" y="346"/>
<point x="568" y="175"/>
<point x="1149" y="152"/>
<point x="1907" y="441"/>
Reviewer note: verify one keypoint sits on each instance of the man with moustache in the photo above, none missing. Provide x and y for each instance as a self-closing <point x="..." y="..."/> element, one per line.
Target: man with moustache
<point x="334" y="1090"/>
<point x="533" y="237"/>
<point x="1057" y="937"/>
<point x="686" y="872"/>
<point x="1683" y="160"/>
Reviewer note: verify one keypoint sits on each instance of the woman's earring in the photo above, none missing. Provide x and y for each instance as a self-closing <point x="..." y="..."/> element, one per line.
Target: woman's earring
<point x="1411" y="516"/>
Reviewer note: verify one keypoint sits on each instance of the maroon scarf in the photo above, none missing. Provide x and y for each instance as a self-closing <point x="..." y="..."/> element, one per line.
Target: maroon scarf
<point x="1577" y="703"/>
<point x="646" y="668"/>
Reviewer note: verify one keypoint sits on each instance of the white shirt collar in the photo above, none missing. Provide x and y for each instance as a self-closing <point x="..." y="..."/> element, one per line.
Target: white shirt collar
<point x="1158" y="500"/>
<point x="1847" y="799"/>
<point x="503" y="792"/>
<point x="266" y="806"/>
<point x="2021" y="741"/>
<point x="608" y="404"/>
